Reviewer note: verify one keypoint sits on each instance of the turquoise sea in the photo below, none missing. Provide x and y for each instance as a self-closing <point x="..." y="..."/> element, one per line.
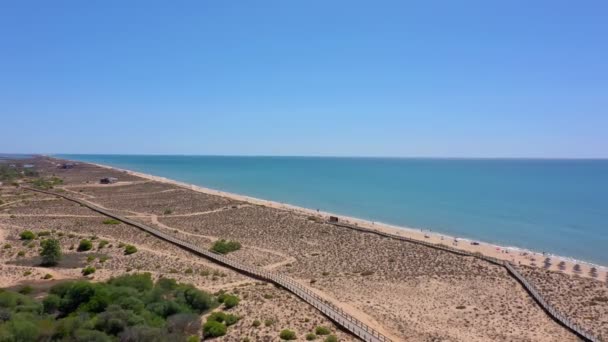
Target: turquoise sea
<point x="556" y="206"/>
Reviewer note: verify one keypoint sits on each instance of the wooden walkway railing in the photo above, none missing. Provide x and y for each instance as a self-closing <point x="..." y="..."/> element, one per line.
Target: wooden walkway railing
<point x="345" y="320"/>
<point x="548" y="308"/>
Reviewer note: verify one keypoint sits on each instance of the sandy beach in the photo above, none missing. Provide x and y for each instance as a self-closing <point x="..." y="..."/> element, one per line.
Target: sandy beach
<point x="516" y="255"/>
<point x="407" y="291"/>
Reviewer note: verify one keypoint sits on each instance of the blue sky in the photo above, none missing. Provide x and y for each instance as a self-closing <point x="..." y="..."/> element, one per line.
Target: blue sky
<point x="374" y="78"/>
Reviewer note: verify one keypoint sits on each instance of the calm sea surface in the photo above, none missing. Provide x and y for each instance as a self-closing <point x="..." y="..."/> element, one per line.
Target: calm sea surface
<point x="557" y="206"/>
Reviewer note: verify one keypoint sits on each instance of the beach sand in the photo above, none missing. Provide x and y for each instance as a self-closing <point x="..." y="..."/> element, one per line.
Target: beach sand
<point x="515" y="255"/>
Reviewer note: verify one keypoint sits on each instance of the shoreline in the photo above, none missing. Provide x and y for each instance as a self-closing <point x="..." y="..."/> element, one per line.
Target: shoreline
<point x="517" y="255"/>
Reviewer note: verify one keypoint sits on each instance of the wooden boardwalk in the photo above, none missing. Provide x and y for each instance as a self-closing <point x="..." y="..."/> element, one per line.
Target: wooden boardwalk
<point x="343" y="319"/>
<point x="548" y="308"/>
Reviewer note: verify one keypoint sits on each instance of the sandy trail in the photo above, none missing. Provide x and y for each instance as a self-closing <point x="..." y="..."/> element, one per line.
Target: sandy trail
<point x="26" y="199"/>
<point x="289" y="260"/>
<point x="209" y="211"/>
<point x="353" y="311"/>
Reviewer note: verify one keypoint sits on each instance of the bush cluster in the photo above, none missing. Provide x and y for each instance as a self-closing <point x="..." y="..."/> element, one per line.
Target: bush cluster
<point x="224" y="247"/>
<point x="127" y="308"/>
<point x="85" y="245"/>
<point x="229" y="300"/>
<point x="217" y="324"/>
<point x="51" y="252"/>
<point x="287" y="334"/>
<point x="47" y="183"/>
<point x="111" y="221"/>
<point x="130" y="249"/>
<point x="27" y="235"/>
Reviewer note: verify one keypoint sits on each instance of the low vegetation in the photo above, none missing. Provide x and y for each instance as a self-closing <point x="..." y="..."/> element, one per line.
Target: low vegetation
<point x="287" y="335"/>
<point x="27" y="235"/>
<point x="229" y="300"/>
<point x="85" y="245"/>
<point x="224" y="247"/>
<point x="51" y="252"/>
<point x="130" y="249"/>
<point x="111" y="221"/>
<point x="217" y="324"/>
<point x="47" y="182"/>
<point x="322" y="331"/>
<point x="127" y="308"/>
<point x="88" y="270"/>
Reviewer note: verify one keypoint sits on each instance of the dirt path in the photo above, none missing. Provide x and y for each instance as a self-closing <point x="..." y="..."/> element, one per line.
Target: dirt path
<point x="353" y="311"/>
<point x="239" y="206"/>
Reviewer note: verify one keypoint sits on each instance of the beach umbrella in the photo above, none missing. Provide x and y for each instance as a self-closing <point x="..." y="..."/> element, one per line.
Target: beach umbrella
<point x="593" y="272"/>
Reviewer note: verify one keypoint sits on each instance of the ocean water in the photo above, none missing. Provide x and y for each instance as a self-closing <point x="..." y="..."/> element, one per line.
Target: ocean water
<point x="555" y="206"/>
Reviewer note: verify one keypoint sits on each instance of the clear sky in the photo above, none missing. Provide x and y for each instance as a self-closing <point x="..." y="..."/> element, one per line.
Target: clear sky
<point x="374" y="78"/>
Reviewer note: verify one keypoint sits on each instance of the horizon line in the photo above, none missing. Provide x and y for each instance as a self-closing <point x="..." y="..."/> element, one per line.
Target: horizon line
<point x="318" y="156"/>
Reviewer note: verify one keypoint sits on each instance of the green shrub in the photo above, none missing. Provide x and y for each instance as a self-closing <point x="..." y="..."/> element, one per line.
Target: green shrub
<point x="102" y="244"/>
<point x="214" y="329"/>
<point x="26" y="290"/>
<point x="130" y="249"/>
<point x="322" y="331"/>
<point x="85" y="245"/>
<point x="231" y="301"/>
<point x="51" y="303"/>
<point x="111" y="221"/>
<point x="21" y="254"/>
<point x="287" y="334"/>
<point x="199" y="300"/>
<point x="47" y="183"/>
<point x="256" y="323"/>
<point x="224" y="247"/>
<point x="7" y="246"/>
<point x="331" y="338"/>
<point x="88" y="270"/>
<point x="90" y="258"/>
<point x="27" y="235"/>
<point x="231" y="319"/>
<point x="127" y="308"/>
<point x="168" y="212"/>
<point x="311" y="337"/>
<point x="51" y="252"/>
<point x="48" y="276"/>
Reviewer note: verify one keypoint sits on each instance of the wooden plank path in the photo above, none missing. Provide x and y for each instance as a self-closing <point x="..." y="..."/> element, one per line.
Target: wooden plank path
<point x="548" y="308"/>
<point x="343" y="319"/>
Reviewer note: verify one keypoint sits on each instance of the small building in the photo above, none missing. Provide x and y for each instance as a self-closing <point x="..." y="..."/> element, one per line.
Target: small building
<point x="108" y="180"/>
<point x="333" y="219"/>
<point x="67" y="166"/>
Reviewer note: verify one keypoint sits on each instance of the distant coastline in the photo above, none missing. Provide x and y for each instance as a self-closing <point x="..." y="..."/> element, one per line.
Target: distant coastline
<point x="512" y="253"/>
